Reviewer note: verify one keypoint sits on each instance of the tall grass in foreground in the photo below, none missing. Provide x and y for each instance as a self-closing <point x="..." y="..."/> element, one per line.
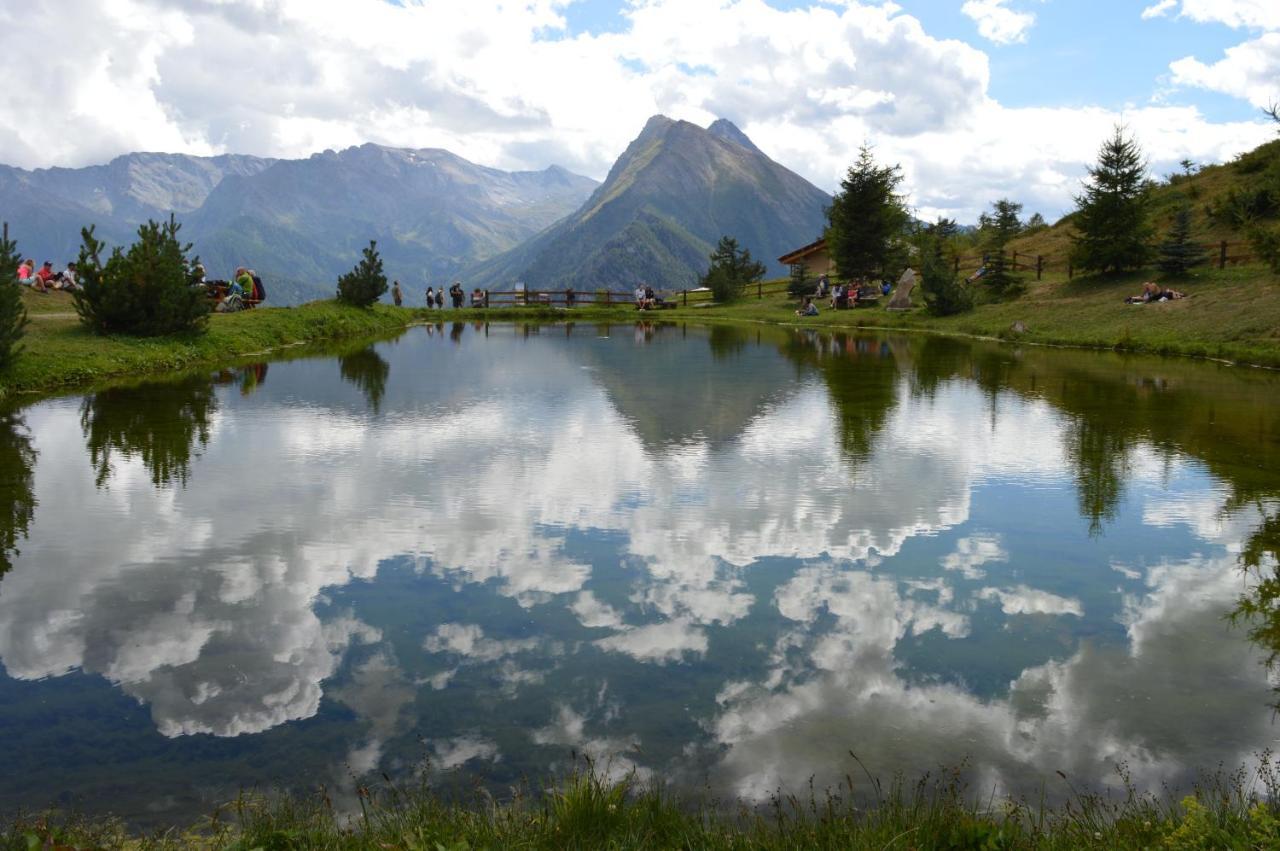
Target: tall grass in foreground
<point x="1229" y="810"/>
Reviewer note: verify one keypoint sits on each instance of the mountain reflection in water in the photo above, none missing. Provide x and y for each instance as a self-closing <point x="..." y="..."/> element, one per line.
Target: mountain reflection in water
<point x="689" y="553"/>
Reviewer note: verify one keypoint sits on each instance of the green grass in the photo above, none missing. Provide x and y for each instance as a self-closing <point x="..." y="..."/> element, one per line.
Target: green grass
<point x="587" y="812"/>
<point x="1232" y="314"/>
<point x="60" y="354"/>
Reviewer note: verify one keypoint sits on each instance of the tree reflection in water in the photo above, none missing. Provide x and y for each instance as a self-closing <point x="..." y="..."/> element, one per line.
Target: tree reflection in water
<point x="160" y="422"/>
<point x="861" y="376"/>
<point x="367" y="370"/>
<point x="17" y="497"/>
<point x="1259" y="610"/>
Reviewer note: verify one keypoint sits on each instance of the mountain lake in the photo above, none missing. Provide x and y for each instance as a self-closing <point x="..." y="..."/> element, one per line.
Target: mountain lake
<point x="731" y="559"/>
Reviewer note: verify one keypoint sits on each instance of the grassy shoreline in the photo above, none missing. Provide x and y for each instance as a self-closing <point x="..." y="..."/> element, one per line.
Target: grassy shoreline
<point x="1233" y="316"/>
<point x="586" y="811"/>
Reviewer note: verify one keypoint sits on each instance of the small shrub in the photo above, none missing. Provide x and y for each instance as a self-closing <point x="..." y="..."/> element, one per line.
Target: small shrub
<point x="1266" y="242"/>
<point x="366" y="283"/>
<point x="13" y="316"/>
<point x="145" y="291"/>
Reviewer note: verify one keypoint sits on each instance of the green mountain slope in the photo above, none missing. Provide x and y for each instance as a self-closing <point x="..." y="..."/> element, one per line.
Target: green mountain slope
<point x="667" y="200"/>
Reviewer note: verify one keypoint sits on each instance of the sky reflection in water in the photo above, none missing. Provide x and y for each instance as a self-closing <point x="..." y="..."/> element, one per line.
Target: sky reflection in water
<point x="690" y="553"/>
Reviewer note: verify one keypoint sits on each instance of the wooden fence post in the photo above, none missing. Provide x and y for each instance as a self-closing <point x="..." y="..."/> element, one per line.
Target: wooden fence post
<point x="1070" y="270"/>
<point x="1222" y="254"/>
<point x="608" y="298"/>
<point x="956" y="266"/>
<point x="759" y="290"/>
<point x="1015" y="260"/>
<point x="684" y="296"/>
<point x="1039" y="265"/>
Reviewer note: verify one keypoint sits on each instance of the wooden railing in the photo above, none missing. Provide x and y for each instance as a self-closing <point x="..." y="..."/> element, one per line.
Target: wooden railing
<point x="1222" y="254"/>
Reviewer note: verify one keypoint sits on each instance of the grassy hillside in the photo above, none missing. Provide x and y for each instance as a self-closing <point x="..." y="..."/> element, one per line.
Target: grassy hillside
<point x="1208" y="192"/>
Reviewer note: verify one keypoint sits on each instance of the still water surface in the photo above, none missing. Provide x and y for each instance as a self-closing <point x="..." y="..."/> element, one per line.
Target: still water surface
<point x="714" y="556"/>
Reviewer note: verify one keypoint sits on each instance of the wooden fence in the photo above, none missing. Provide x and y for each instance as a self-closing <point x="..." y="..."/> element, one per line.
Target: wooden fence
<point x="1222" y="254"/>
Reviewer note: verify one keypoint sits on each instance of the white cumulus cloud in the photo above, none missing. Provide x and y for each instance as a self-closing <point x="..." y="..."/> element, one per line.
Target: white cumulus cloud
<point x="997" y="22"/>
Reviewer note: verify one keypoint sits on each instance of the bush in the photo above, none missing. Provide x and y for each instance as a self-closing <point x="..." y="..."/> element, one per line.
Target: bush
<point x="13" y="316"/>
<point x="366" y="283"/>
<point x="145" y="291"/>
<point x="731" y="270"/>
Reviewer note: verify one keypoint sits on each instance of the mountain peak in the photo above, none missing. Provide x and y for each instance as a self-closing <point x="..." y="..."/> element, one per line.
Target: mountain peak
<point x="723" y="128"/>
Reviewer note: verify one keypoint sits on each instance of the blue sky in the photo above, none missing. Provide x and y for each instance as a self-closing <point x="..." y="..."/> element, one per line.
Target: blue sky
<point x="975" y="99"/>
<point x="1078" y="53"/>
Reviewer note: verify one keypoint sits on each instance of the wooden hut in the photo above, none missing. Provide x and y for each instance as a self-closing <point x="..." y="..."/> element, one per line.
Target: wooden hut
<point x="814" y="257"/>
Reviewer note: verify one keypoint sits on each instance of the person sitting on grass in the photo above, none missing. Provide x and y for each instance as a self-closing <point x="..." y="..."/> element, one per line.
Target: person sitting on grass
<point x="66" y="279"/>
<point x="27" y="275"/>
<point x="639" y="296"/>
<point x="46" y="275"/>
<point x="807" y="308"/>
<point x="242" y="285"/>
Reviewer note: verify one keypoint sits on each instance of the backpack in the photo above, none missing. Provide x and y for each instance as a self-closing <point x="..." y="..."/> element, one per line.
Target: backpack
<point x="259" y="291"/>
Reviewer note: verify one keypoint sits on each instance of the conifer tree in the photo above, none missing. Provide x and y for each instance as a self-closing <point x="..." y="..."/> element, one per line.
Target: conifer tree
<point x="800" y="283"/>
<point x="1111" y="219"/>
<point x="366" y="283"/>
<point x="867" y="219"/>
<point x="145" y="291"/>
<point x="1002" y="226"/>
<point x="731" y="270"/>
<point x="944" y="295"/>
<point x="1178" y="254"/>
<point x="13" y="316"/>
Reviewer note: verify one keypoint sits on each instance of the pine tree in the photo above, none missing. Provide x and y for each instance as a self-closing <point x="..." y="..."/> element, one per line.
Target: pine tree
<point x="1111" y="219"/>
<point x="366" y="283"/>
<point x="800" y="283"/>
<point x="944" y="295"/>
<point x="145" y="291"/>
<point x="867" y="220"/>
<point x="1002" y="226"/>
<point x="731" y="270"/>
<point x="1178" y="254"/>
<point x="13" y="316"/>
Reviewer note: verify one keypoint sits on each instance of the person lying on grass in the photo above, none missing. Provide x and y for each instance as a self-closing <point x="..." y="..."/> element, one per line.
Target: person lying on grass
<point x="1151" y="291"/>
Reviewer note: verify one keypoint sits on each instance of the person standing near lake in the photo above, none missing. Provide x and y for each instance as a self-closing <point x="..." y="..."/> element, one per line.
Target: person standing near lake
<point x="396" y="295"/>
<point x="431" y="297"/>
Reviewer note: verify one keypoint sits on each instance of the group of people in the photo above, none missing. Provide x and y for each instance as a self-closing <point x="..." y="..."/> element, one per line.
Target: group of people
<point x="646" y="298"/>
<point x="44" y="279"/>
<point x="435" y="298"/>
<point x="842" y="295"/>
<point x="1151" y="291"/>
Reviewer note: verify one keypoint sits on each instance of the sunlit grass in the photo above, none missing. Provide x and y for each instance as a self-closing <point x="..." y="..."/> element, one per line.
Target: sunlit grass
<point x="588" y="811"/>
